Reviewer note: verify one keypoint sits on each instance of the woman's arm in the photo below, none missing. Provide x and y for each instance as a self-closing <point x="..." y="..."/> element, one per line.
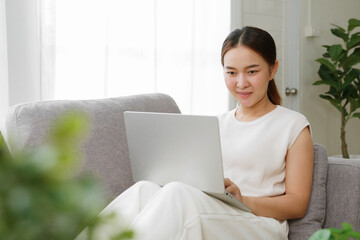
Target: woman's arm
<point x="298" y="182"/>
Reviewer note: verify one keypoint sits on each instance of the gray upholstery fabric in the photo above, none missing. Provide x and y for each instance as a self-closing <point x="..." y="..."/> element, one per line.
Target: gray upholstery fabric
<point x="105" y="151"/>
<point x="315" y="216"/>
<point x="343" y="193"/>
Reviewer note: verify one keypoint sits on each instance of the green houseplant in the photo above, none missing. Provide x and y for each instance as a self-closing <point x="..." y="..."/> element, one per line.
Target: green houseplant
<point x="338" y="71"/>
<point x="336" y="233"/>
<point x="40" y="198"/>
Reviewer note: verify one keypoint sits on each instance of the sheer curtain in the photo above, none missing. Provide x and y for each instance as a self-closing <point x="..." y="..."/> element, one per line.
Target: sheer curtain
<point x="4" y="84"/>
<point x="108" y="48"/>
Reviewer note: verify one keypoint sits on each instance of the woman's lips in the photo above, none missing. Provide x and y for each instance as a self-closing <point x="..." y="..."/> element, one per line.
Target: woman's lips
<point x="244" y="94"/>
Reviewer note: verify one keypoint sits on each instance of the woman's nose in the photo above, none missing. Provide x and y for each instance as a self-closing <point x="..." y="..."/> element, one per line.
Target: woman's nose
<point x="241" y="82"/>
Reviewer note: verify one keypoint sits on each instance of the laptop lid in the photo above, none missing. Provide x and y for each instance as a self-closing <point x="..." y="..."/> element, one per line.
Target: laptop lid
<point x="165" y="147"/>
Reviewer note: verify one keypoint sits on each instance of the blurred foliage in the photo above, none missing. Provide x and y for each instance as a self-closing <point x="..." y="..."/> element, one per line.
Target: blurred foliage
<point x="40" y="196"/>
<point x="336" y="234"/>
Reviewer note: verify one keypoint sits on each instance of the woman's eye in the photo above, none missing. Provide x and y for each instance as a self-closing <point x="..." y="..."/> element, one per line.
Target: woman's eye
<point x="252" y="71"/>
<point x="231" y="73"/>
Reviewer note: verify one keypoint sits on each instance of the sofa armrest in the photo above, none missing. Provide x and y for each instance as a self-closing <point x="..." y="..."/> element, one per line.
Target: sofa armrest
<point x="343" y="193"/>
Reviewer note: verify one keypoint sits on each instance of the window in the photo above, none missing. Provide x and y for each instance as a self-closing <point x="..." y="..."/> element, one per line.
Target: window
<point x="110" y="48"/>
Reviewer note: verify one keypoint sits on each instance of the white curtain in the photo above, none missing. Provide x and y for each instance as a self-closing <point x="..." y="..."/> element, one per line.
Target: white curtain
<point x="108" y="48"/>
<point x="4" y="84"/>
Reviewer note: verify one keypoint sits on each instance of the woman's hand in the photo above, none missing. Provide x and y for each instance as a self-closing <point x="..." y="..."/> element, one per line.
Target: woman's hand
<point x="233" y="189"/>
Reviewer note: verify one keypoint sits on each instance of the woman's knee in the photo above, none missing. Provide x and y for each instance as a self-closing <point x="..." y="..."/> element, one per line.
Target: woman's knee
<point x="145" y="188"/>
<point x="178" y="188"/>
<point x="144" y="183"/>
<point x="138" y="189"/>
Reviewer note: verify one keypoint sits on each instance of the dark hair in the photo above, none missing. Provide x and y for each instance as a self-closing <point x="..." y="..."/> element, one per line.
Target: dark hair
<point x="259" y="41"/>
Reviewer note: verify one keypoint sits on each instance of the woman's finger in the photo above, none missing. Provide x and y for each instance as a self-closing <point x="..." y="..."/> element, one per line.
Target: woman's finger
<point x="231" y="188"/>
<point x="229" y="185"/>
<point x="227" y="182"/>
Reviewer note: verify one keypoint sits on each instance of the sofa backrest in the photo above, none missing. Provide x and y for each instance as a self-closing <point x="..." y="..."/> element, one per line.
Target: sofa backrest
<point x="343" y="193"/>
<point x="105" y="151"/>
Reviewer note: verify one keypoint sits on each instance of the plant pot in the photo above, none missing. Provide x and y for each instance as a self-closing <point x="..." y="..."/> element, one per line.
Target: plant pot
<point x="352" y="157"/>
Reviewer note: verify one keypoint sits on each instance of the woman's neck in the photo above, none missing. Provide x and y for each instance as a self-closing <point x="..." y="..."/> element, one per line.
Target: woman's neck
<point x="247" y="114"/>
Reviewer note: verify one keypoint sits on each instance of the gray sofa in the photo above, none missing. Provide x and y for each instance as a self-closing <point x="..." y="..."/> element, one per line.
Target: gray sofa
<point x="336" y="185"/>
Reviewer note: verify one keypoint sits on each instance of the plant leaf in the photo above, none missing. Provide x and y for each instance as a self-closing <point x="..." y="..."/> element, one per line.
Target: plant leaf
<point x="327" y="63"/>
<point x="354" y="235"/>
<point x="322" y="234"/>
<point x="349" y="79"/>
<point x="356" y="115"/>
<point x="326" y="82"/>
<point x="327" y="97"/>
<point x="355" y="34"/>
<point x="319" y="82"/>
<point x="353" y="59"/>
<point x="334" y="93"/>
<point x="340" y="32"/>
<point x="124" y="235"/>
<point x="357" y="72"/>
<point x="326" y="55"/>
<point x="348" y="91"/>
<point x="338" y="27"/>
<point x="353" y="23"/>
<point x="336" y="103"/>
<point x="343" y="57"/>
<point x="327" y="77"/>
<point x="335" y="230"/>
<point x="353" y="42"/>
<point x="346" y="226"/>
<point x="335" y="51"/>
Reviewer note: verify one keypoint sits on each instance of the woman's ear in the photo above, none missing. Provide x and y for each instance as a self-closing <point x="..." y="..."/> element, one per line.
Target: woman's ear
<point x="273" y="69"/>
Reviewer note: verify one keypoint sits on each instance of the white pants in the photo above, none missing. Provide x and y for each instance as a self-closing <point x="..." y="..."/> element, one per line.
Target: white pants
<point x="178" y="211"/>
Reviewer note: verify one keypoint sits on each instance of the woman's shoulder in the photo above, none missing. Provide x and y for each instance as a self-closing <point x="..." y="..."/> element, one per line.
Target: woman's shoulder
<point x="290" y="119"/>
<point x="288" y="113"/>
<point x="280" y="114"/>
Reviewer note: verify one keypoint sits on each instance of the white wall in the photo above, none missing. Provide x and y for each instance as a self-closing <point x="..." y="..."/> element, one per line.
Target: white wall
<point x="323" y="117"/>
<point x="23" y="51"/>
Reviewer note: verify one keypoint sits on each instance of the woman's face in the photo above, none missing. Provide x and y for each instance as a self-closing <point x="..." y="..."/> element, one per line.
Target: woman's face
<point x="247" y="76"/>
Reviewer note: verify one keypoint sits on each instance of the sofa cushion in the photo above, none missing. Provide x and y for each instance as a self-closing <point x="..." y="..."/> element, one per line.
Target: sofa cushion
<point x="343" y="193"/>
<point x="315" y="216"/>
<point x="105" y="151"/>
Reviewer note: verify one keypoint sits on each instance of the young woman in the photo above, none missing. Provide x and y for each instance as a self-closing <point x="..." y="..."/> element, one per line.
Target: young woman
<point x="267" y="155"/>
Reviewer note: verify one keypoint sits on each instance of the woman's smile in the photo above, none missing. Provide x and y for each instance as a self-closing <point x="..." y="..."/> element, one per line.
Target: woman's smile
<point x="244" y="94"/>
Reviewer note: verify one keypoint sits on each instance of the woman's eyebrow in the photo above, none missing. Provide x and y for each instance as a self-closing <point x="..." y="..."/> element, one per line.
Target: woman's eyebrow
<point x="252" y="66"/>
<point x="247" y="67"/>
<point x="230" y="68"/>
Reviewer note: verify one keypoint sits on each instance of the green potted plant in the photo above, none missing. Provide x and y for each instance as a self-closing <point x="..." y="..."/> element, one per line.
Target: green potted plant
<point x="338" y="71"/>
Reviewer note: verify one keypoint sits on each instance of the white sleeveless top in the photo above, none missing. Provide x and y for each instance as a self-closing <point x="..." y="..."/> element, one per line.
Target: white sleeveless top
<point x="254" y="152"/>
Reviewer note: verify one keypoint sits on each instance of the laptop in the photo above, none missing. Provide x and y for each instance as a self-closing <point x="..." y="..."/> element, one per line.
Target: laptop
<point x="167" y="147"/>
